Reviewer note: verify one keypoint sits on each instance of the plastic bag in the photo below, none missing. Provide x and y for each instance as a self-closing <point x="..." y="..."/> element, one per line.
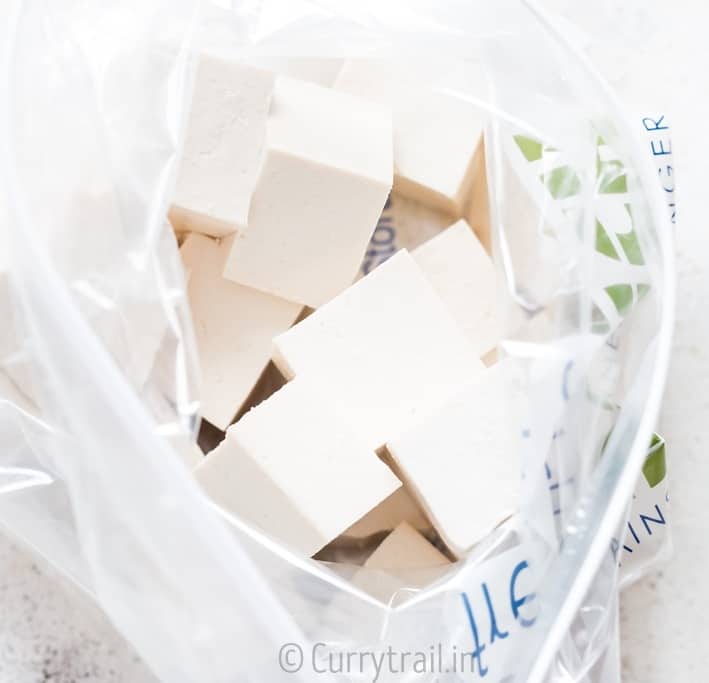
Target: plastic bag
<point x="96" y="424"/>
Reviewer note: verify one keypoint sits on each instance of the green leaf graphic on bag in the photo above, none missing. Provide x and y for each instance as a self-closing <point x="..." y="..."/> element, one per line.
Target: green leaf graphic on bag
<point x="616" y="239"/>
<point x="655" y="467"/>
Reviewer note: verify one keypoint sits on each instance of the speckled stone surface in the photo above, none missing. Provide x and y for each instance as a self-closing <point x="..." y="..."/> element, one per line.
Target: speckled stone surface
<point x="45" y="634"/>
<point x="49" y="635"/>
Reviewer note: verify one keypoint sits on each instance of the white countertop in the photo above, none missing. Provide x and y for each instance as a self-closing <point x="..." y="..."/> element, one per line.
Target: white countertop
<point x="43" y="637"/>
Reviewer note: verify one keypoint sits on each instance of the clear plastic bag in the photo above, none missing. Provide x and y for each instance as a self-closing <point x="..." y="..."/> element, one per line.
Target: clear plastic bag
<point x="99" y="404"/>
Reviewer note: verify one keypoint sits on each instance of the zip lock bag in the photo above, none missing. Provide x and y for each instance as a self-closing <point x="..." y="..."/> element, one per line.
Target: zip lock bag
<point x="100" y="380"/>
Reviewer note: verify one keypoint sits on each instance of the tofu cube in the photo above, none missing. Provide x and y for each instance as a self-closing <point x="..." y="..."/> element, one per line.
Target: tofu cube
<point x="223" y="146"/>
<point x="292" y="468"/>
<point x="320" y="70"/>
<point x="185" y="448"/>
<point x="397" y="508"/>
<point x="405" y="548"/>
<point x="477" y="209"/>
<point x="463" y="275"/>
<point x="326" y="174"/>
<point x="386" y="351"/>
<point x="402" y="564"/>
<point x="435" y="134"/>
<point x="234" y="327"/>
<point x="461" y="462"/>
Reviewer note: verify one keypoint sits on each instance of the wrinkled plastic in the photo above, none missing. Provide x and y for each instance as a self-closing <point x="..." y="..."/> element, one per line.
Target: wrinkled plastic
<point x="99" y="402"/>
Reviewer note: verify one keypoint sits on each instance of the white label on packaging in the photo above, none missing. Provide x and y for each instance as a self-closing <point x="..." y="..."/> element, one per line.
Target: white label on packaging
<point x="647" y="533"/>
<point x="657" y="134"/>
<point x="498" y="607"/>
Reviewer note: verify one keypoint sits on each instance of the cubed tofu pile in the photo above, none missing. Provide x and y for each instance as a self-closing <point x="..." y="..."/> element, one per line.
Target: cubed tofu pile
<point x="387" y="425"/>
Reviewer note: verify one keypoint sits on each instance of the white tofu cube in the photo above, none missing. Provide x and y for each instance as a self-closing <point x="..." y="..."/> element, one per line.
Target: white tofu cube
<point x="405" y="548"/>
<point x="320" y="70"/>
<point x="187" y="450"/>
<point x="223" y="146"/>
<point x="234" y="327"/>
<point x="397" y="508"/>
<point x="463" y="275"/>
<point x="114" y="288"/>
<point x="386" y="351"/>
<point x="402" y="564"/>
<point x="132" y="331"/>
<point x="293" y="469"/>
<point x="435" y="134"/>
<point x="326" y="174"/>
<point x="477" y="208"/>
<point x="462" y="464"/>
